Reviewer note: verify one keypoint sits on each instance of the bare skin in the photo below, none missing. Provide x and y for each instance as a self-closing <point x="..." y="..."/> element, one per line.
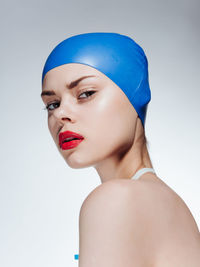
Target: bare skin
<point x="114" y="145"/>
<point x="163" y="230"/>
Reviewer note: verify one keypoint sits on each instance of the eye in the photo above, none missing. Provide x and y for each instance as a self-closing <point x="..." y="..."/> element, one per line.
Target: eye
<point x="51" y="106"/>
<point x="87" y="92"/>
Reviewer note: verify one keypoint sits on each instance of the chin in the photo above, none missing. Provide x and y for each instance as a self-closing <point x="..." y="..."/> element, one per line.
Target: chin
<point x="77" y="163"/>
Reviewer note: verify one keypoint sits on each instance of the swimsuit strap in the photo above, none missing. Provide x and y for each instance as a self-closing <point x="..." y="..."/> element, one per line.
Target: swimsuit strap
<point x="141" y="172"/>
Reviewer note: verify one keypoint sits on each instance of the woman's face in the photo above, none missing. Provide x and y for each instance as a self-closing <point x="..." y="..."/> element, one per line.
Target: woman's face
<point x="103" y="116"/>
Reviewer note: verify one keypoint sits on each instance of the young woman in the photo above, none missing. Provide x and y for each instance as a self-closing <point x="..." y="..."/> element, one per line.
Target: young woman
<point x="96" y="92"/>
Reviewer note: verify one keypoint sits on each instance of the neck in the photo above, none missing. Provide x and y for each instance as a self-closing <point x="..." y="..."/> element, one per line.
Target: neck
<point x="126" y="164"/>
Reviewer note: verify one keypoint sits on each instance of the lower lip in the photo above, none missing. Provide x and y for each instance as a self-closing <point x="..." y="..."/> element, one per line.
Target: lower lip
<point x="71" y="144"/>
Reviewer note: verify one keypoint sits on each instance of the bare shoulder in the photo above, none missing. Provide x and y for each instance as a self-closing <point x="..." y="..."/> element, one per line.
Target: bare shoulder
<point x="150" y="196"/>
<point x="111" y="227"/>
<point x="141" y="214"/>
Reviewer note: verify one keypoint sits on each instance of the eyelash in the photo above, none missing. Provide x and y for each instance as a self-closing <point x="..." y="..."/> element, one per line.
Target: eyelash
<point x="87" y="91"/>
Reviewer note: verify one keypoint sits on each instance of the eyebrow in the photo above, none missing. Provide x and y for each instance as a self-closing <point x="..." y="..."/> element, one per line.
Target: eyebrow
<point x="70" y="86"/>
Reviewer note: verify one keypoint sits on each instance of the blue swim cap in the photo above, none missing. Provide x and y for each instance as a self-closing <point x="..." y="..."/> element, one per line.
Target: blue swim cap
<point x="117" y="56"/>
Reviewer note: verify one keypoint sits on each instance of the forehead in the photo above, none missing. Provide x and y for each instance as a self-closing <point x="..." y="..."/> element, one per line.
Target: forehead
<point x="69" y="72"/>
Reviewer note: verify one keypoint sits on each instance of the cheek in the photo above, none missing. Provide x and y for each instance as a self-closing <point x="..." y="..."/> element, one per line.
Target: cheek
<point x="51" y="126"/>
<point x="109" y="120"/>
<point x="102" y="112"/>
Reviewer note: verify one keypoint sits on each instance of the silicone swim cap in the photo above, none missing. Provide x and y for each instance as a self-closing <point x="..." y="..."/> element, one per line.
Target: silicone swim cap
<point x="117" y="56"/>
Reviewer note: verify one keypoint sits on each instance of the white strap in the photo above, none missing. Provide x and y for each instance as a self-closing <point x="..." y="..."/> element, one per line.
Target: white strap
<point x="142" y="171"/>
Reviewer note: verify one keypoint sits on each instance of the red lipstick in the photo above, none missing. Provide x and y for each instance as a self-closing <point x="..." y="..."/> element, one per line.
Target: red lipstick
<point x="68" y="140"/>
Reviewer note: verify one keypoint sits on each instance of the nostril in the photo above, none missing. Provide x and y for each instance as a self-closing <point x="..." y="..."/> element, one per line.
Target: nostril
<point x="66" y="118"/>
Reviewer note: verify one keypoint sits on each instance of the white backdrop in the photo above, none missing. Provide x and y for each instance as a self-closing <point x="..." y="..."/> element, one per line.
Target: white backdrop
<point x="40" y="195"/>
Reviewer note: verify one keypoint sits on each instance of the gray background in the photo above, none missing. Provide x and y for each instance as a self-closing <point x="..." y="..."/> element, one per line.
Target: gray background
<point x="40" y="196"/>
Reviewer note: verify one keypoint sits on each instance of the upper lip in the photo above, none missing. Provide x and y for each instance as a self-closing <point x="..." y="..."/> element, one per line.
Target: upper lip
<point x="64" y="135"/>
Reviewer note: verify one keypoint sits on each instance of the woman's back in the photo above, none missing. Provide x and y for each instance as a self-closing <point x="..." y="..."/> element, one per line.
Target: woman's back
<point x="179" y="241"/>
<point x="169" y="235"/>
<point x="177" y="238"/>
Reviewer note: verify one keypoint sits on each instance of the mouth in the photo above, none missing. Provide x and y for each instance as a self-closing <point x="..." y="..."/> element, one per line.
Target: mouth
<point x="69" y="139"/>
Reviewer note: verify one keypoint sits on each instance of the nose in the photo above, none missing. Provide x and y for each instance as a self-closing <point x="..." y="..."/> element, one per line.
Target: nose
<point x="64" y="112"/>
